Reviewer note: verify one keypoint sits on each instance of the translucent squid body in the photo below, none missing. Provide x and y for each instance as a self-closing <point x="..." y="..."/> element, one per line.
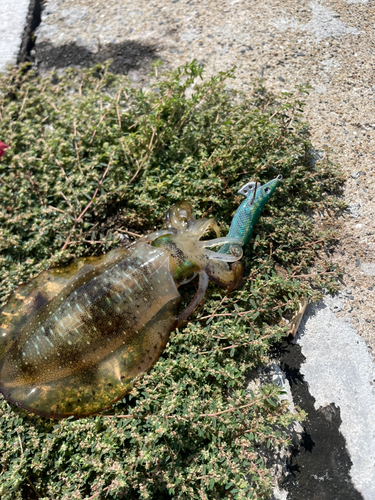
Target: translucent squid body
<point x="73" y="339"/>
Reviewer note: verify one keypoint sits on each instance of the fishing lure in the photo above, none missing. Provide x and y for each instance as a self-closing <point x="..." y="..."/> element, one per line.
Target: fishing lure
<point x="248" y="213"/>
<point x="73" y="339"/>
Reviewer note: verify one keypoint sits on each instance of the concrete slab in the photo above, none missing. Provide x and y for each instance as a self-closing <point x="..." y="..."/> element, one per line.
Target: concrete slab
<point x="13" y="21"/>
<point x="340" y="370"/>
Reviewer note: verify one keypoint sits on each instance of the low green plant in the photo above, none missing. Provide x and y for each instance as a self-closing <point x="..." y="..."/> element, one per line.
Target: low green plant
<point x="92" y="158"/>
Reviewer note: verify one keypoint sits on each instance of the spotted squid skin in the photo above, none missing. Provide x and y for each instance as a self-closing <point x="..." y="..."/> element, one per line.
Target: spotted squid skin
<point x="81" y="352"/>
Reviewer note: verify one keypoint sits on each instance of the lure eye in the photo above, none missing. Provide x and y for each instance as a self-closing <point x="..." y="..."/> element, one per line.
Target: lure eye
<point x="267" y="190"/>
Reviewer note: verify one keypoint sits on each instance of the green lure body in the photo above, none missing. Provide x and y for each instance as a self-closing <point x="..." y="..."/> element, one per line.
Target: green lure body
<point x="248" y="213"/>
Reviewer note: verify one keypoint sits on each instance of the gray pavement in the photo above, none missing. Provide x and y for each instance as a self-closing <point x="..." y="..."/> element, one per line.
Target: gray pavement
<point x="13" y="20"/>
<point x="340" y="369"/>
<point x="328" y="44"/>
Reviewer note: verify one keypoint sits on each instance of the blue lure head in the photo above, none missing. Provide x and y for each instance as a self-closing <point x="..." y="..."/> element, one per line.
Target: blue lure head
<point x="248" y="213"/>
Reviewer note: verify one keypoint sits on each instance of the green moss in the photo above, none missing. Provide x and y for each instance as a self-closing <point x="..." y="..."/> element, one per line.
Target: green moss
<point x="90" y="156"/>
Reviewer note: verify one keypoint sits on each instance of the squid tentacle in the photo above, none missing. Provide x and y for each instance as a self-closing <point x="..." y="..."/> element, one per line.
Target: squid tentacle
<point x="197" y="299"/>
<point x="224" y="257"/>
<point x="199" y="227"/>
<point x="219" y="241"/>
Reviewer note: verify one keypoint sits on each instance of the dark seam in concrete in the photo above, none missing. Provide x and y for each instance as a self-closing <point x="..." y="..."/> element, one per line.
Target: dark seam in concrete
<point x="32" y="22"/>
<point x="319" y="467"/>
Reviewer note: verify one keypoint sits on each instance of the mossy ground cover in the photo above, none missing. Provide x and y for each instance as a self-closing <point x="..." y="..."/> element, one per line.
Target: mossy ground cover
<point x="92" y="158"/>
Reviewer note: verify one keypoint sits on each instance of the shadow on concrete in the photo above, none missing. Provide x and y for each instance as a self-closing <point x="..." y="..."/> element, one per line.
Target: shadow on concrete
<point x="125" y="56"/>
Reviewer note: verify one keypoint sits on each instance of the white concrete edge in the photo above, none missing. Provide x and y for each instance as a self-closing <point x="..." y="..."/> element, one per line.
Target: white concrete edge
<point x="13" y="20"/>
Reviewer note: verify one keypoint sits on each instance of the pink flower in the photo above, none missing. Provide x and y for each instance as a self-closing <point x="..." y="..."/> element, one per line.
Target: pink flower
<point x="2" y="148"/>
